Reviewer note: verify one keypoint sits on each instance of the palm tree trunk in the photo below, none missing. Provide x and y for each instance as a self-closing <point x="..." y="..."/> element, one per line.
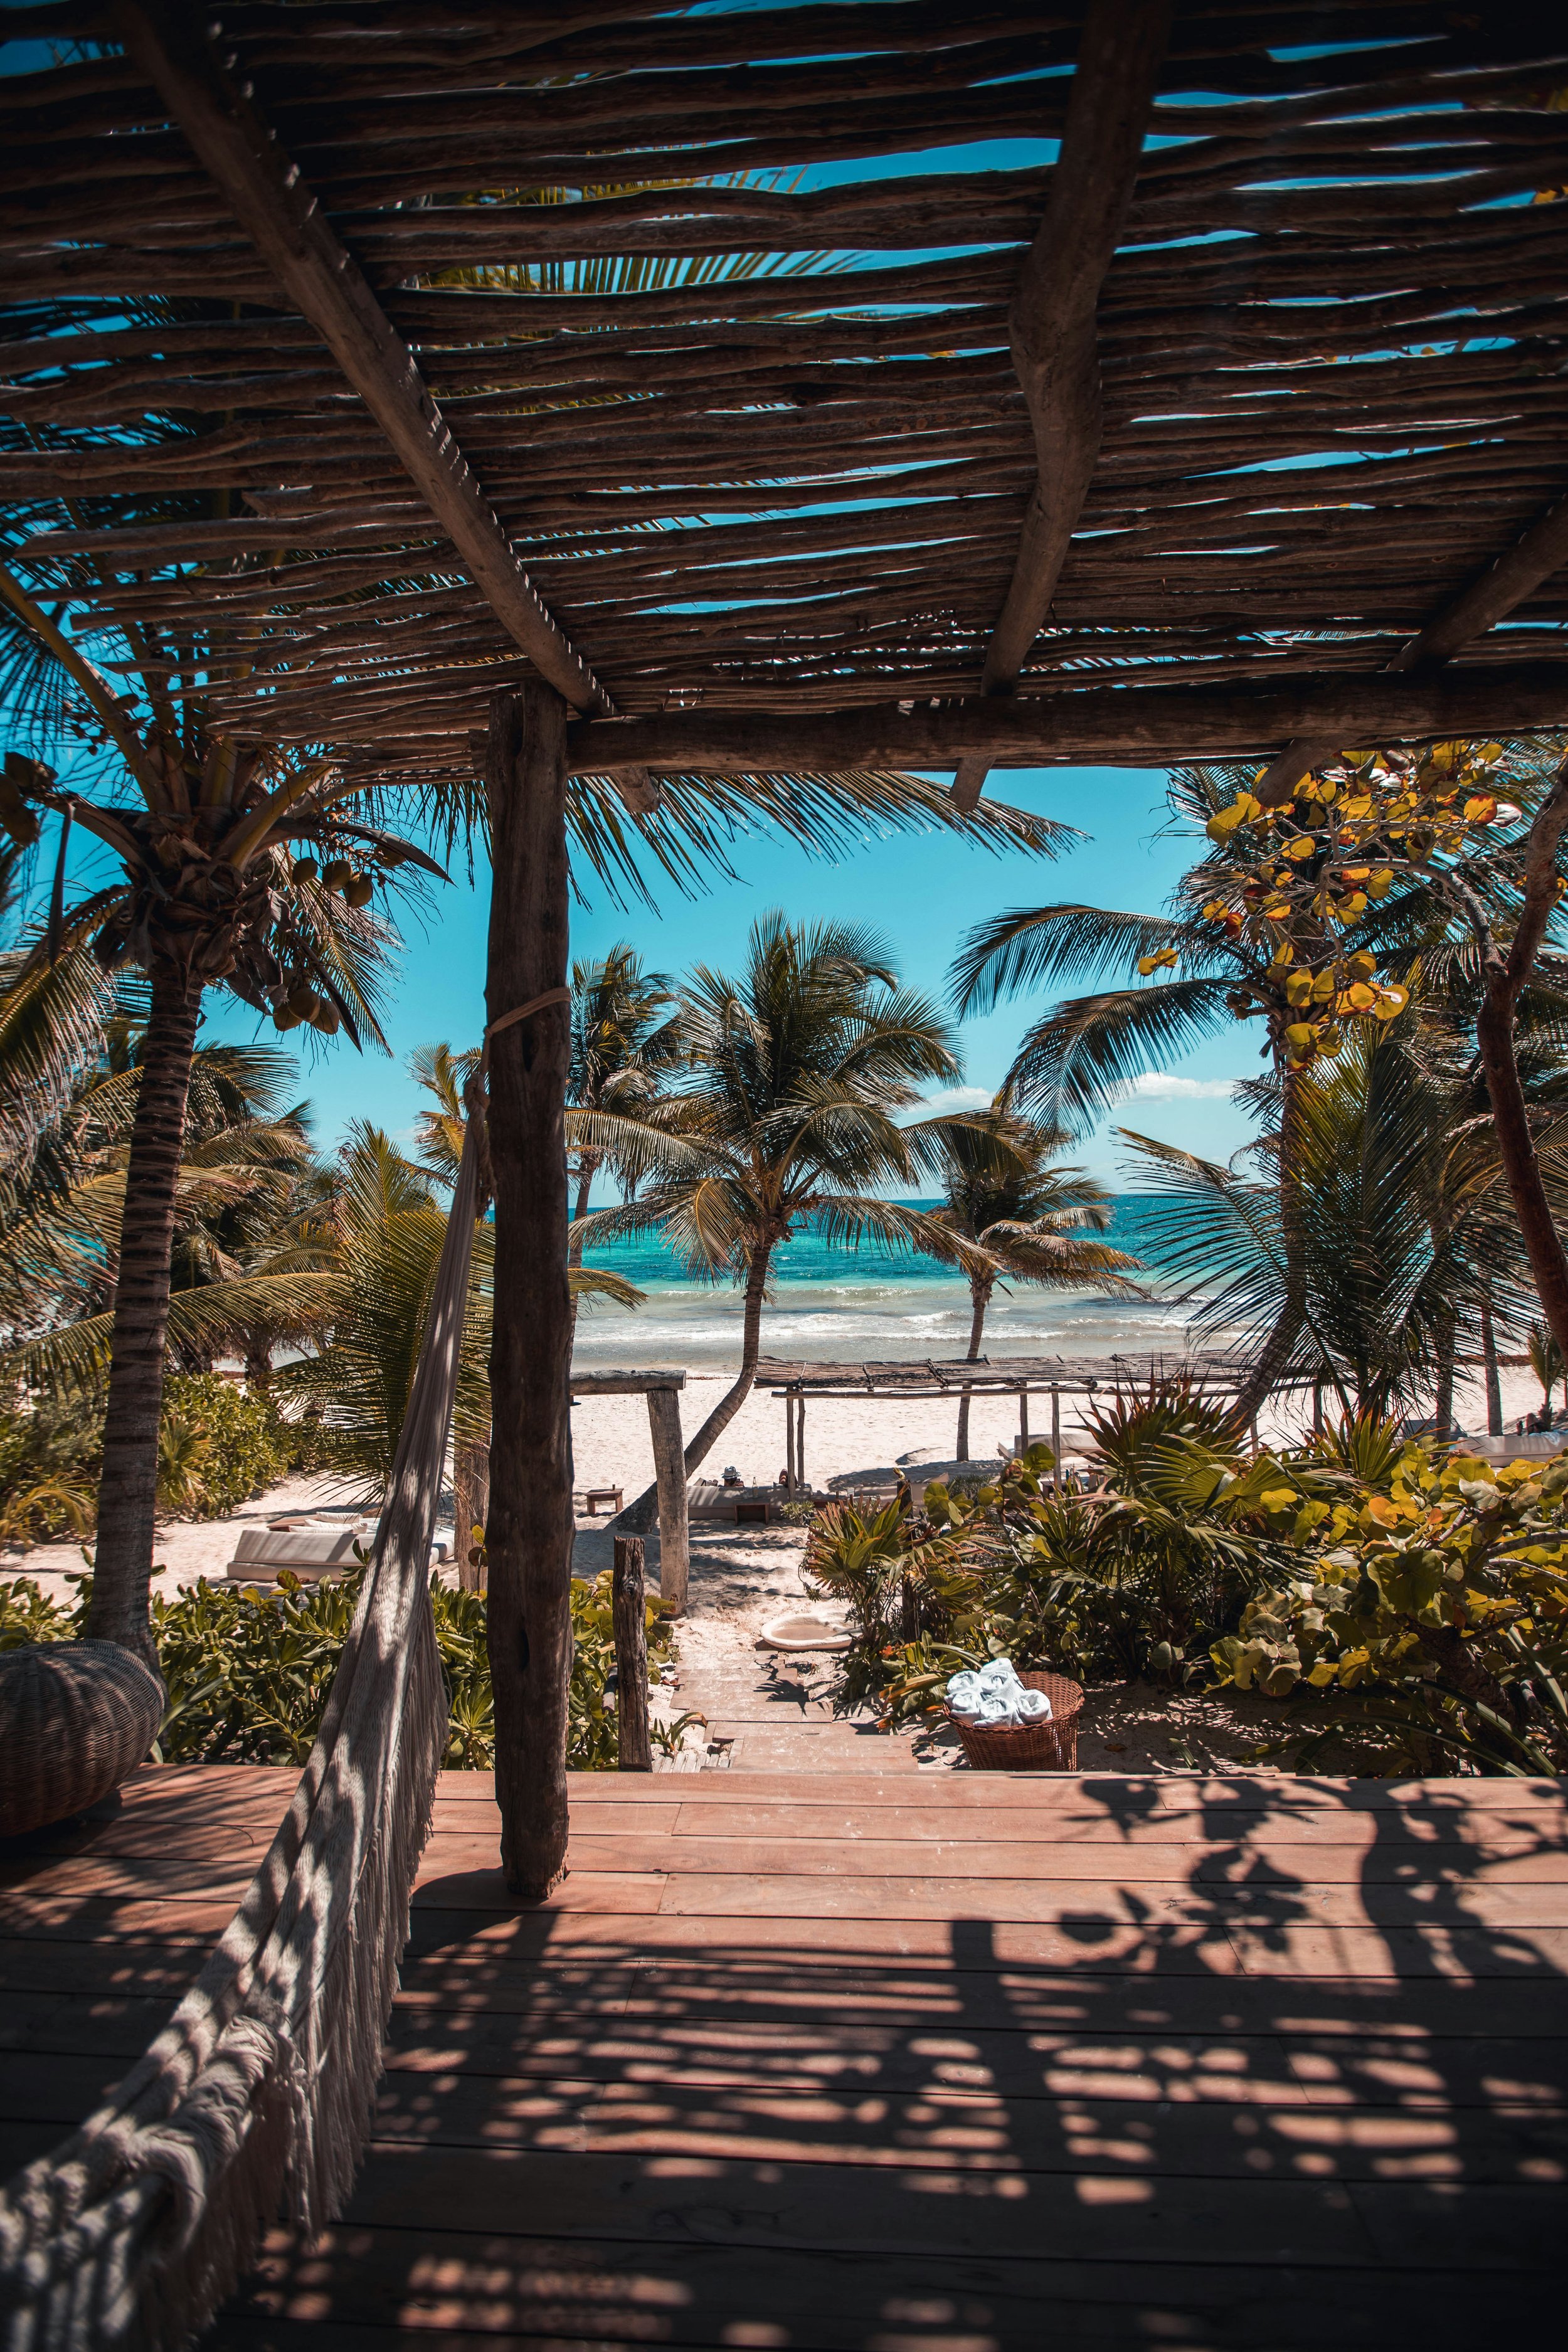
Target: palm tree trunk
<point x="1281" y="1344"/>
<point x="575" y="1245"/>
<point x="1505" y="975"/>
<point x="1494" y="1379"/>
<point x="638" y="1515"/>
<point x="981" y="1294"/>
<point x="1516" y="1149"/>
<point x="530" y="1530"/>
<point x="1443" y="1404"/>
<point x="127" y="1495"/>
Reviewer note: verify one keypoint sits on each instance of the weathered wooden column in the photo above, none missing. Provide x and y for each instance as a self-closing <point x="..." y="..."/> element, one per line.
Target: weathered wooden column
<point x="530" y="1530"/>
<point x="670" y="1472"/>
<point x="633" y="1745"/>
<point x="470" y="1506"/>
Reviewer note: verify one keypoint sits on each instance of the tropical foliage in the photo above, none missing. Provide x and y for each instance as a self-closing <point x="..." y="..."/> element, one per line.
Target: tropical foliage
<point x="1408" y="1608"/>
<point x="1033" y="1219"/>
<point x="1377" y="898"/>
<point x="247" y="1672"/>
<point x="784" y="1115"/>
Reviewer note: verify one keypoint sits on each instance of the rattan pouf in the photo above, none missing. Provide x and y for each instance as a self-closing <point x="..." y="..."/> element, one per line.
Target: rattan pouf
<point x="1048" y="1747"/>
<point x="76" y="1717"/>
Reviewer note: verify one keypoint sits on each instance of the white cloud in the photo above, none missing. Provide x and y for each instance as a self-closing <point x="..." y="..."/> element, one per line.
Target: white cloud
<point x="951" y="1098"/>
<point x="1163" y="1086"/>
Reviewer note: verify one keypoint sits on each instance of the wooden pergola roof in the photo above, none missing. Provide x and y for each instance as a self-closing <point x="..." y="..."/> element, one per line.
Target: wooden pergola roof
<point x="1234" y="426"/>
<point x="1006" y="1375"/>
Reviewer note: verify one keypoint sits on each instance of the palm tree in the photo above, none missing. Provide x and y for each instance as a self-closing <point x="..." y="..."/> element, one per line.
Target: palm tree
<point x="1546" y="1363"/>
<point x="378" y="1238"/>
<point x="785" y="1117"/>
<point x="1031" y="1217"/>
<point x="1404" y="1237"/>
<point x="625" y="1044"/>
<point x="237" y="868"/>
<point x="62" y="1199"/>
<point x="1271" y="924"/>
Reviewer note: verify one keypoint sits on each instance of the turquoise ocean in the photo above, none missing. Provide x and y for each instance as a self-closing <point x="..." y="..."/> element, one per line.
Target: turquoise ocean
<point x="834" y="1303"/>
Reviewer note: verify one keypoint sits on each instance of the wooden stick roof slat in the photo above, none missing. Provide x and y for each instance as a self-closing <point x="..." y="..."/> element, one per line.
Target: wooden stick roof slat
<point x="1053" y="320"/>
<point x="762" y="447"/>
<point x="277" y="211"/>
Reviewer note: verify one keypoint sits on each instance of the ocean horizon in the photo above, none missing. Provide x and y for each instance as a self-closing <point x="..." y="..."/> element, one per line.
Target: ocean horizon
<point x="831" y="1304"/>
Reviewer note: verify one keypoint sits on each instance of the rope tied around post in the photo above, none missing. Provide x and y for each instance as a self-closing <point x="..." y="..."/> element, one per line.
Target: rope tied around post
<point x="522" y="1012"/>
<point x="475" y="1092"/>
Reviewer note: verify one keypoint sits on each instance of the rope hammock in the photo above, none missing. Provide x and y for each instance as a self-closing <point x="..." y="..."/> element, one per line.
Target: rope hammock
<point x="259" y="2092"/>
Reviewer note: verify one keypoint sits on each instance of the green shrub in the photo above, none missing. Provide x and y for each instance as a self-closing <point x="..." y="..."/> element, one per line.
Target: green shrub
<point x="247" y="1672"/>
<point x="49" y="1459"/>
<point x="1439" y="1596"/>
<point x="1412" y="1608"/>
<point x="217" y="1444"/>
<point x="28" y="1615"/>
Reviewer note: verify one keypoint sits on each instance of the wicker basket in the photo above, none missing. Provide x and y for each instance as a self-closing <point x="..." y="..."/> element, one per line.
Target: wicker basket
<point x="76" y="1717"/>
<point x="1048" y="1747"/>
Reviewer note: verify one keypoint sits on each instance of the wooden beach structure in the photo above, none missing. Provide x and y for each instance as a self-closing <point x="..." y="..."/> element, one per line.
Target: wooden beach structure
<point x="623" y="422"/>
<point x="1209" y="1371"/>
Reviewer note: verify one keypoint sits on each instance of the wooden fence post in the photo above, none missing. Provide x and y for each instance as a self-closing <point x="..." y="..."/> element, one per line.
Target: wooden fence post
<point x="669" y="1470"/>
<point x="530" y="1524"/>
<point x="629" y="1611"/>
<point x="471" y="1508"/>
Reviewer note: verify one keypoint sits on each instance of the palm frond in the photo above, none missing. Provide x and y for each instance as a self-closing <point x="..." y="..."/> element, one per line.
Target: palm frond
<point x="1031" y="946"/>
<point x="1077" y="1062"/>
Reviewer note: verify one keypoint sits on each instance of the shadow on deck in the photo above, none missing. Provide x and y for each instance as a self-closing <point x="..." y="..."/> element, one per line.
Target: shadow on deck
<point x="926" y="2062"/>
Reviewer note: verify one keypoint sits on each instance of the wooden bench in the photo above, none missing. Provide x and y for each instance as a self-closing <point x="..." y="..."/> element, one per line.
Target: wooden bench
<point x="597" y="1495"/>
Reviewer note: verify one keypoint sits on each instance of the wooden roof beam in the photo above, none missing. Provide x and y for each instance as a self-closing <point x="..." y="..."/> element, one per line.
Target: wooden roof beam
<point x="1526" y="566"/>
<point x="1119" y="726"/>
<point x="285" y="225"/>
<point x="1053" y="323"/>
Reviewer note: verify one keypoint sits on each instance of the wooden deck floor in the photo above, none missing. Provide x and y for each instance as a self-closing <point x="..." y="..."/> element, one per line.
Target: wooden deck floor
<point x="909" y="2064"/>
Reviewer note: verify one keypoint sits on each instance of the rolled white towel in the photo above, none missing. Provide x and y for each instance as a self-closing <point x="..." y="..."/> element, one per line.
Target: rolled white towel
<point x="994" y="1695"/>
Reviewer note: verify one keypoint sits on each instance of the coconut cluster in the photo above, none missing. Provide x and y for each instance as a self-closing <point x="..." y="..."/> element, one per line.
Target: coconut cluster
<point x="297" y="1003"/>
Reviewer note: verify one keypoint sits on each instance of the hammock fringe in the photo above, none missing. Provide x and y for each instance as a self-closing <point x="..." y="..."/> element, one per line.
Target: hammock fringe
<point x="257" y="2096"/>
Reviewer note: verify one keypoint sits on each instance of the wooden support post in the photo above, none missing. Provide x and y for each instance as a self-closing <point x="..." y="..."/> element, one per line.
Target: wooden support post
<point x="1493" y="1378"/>
<point x="1023" y="1418"/>
<point x="800" y="1442"/>
<point x="634" y="1749"/>
<point x="1317" y="1408"/>
<point x="531" y="1523"/>
<point x="1057" y="1435"/>
<point x="472" y="1505"/>
<point x="669" y="1472"/>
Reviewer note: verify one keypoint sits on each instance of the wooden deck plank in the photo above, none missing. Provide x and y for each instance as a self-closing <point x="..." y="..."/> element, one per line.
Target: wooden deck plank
<point x="891" y="2062"/>
<point x="517" y="2288"/>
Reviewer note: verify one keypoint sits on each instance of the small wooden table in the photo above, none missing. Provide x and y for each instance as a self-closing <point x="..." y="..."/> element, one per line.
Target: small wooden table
<point x="597" y="1495"/>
